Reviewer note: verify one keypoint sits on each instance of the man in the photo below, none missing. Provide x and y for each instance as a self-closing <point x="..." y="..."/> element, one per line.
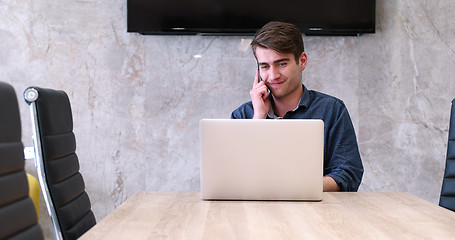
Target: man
<point x="279" y="51"/>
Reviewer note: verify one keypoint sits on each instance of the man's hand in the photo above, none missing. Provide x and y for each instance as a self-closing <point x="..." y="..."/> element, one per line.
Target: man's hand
<point x="329" y="185"/>
<point x="260" y="98"/>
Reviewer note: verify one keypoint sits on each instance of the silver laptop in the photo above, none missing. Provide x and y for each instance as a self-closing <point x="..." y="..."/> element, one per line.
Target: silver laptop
<point x="245" y="159"/>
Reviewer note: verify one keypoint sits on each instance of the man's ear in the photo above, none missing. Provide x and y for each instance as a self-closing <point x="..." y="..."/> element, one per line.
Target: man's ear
<point x="302" y="61"/>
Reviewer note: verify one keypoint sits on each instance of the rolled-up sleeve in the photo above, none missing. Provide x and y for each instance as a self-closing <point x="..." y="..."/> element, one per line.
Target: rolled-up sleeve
<point x="343" y="162"/>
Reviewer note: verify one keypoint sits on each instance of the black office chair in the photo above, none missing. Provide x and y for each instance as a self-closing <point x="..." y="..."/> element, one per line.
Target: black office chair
<point x="57" y="163"/>
<point x="447" y="199"/>
<point x="18" y="219"/>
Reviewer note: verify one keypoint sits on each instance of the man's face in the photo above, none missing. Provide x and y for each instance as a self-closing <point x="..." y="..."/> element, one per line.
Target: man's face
<point x="281" y="73"/>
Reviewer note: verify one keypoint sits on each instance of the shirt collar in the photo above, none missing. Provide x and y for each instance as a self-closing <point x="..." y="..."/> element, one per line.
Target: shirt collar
<point x="304" y="102"/>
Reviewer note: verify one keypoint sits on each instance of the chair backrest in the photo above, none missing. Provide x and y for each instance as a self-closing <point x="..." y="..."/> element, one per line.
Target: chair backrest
<point x="58" y="165"/>
<point x="447" y="199"/>
<point x="18" y="219"/>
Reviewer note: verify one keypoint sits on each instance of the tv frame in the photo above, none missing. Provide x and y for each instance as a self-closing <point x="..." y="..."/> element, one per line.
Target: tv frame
<point x="306" y="28"/>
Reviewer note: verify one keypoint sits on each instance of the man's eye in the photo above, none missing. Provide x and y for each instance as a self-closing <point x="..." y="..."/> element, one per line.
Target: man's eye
<point x="264" y="67"/>
<point x="282" y="64"/>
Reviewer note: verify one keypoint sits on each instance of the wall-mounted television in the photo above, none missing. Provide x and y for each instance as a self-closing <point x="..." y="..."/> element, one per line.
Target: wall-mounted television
<point x="244" y="17"/>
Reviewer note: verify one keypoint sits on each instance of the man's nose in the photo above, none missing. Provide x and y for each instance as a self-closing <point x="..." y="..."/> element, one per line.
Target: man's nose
<point x="274" y="73"/>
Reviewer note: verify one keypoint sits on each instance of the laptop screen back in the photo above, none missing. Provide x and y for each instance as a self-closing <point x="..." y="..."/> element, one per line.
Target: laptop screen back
<point x="245" y="159"/>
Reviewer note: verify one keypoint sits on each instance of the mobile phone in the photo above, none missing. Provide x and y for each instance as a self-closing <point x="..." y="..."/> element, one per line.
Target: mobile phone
<point x="259" y="74"/>
<point x="260" y="79"/>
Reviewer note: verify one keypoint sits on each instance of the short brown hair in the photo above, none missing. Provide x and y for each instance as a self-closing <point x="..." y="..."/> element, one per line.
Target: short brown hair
<point x="281" y="37"/>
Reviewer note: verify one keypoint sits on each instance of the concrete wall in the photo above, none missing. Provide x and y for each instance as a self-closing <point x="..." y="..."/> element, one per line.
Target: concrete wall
<point x="137" y="99"/>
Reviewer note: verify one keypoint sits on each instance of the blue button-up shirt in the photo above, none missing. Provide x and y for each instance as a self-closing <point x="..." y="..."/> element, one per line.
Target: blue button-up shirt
<point x="341" y="153"/>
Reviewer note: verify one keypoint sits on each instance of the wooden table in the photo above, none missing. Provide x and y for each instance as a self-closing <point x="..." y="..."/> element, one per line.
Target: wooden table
<point x="363" y="215"/>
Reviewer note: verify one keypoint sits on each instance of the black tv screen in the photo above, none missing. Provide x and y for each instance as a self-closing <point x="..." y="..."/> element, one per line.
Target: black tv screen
<point x="244" y="17"/>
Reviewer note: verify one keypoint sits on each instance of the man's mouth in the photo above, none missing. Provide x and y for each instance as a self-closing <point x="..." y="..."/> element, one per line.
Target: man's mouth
<point x="275" y="84"/>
